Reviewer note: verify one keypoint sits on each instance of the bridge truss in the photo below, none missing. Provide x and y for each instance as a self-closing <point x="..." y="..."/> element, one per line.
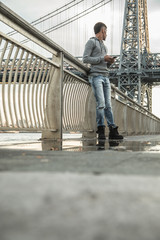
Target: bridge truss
<point x="136" y="70"/>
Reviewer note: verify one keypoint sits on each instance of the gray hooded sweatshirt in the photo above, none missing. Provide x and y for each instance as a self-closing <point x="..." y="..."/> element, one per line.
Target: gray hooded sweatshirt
<point x="94" y="53"/>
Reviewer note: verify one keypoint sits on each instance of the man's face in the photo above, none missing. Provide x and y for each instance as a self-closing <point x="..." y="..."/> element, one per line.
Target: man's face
<point x="104" y="32"/>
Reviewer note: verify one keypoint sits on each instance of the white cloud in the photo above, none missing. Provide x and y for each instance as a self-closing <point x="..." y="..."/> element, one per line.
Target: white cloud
<point x="154" y="33"/>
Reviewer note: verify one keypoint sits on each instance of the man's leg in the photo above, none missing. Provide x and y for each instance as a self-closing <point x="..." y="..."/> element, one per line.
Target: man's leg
<point x="113" y="129"/>
<point x="97" y="86"/>
<point x="108" y="106"/>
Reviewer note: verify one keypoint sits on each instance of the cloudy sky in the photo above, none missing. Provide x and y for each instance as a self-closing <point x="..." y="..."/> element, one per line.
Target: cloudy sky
<point x="33" y="9"/>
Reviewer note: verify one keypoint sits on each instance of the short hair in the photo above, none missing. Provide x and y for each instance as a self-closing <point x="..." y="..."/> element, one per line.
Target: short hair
<point x="98" y="26"/>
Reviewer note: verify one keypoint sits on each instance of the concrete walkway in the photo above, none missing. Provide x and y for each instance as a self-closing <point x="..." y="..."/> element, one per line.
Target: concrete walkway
<point x="112" y="194"/>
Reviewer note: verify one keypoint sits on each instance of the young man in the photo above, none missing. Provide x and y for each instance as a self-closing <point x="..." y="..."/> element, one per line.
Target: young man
<point x="95" y="54"/>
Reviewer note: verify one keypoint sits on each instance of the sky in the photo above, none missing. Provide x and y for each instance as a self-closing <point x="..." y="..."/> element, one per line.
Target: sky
<point x="33" y="9"/>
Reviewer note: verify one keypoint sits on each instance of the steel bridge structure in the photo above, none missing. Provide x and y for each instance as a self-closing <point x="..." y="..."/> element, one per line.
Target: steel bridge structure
<point x="136" y="70"/>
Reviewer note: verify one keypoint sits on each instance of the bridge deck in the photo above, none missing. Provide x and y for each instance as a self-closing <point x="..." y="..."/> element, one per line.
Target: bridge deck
<point x="67" y="195"/>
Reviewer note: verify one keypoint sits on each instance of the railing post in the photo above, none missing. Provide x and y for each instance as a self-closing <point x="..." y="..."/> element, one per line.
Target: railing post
<point x="54" y="103"/>
<point x="90" y="116"/>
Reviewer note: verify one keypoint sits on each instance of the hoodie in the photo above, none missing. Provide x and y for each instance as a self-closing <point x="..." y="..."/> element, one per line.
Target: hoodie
<point x="94" y="53"/>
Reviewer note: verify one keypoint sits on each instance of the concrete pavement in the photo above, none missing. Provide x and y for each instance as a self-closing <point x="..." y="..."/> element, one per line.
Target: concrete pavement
<point x="89" y="195"/>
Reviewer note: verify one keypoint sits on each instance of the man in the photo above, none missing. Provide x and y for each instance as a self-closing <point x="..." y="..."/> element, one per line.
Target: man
<point x="95" y="54"/>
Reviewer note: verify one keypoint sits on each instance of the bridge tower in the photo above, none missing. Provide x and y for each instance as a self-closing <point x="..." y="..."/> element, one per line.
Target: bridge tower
<point x="134" y="49"/>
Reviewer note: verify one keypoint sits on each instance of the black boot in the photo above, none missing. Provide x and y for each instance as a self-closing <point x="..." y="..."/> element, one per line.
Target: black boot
<point x="113" y="133"/>
<point x="101" y="132"/>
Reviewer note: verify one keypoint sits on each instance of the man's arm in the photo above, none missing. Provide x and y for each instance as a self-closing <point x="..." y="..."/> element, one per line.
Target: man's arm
<point x="108" y="59"/>
<point x="87" y="58"/>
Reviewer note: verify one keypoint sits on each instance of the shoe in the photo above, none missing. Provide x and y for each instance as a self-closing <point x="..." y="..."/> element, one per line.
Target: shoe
<point x="113" y="143"/>
<point x="113" y="133"/>
<point x="101" y="144"/>
<point x="101" y="132"/>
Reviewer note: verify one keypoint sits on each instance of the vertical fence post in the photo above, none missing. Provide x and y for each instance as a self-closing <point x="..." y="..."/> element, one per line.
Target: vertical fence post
<point x="90" y="116"/>
<point x="55" y="103"/>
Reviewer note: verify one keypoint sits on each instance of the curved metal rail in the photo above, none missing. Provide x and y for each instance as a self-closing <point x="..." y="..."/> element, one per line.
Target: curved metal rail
<point x="75" y="95"/>
<point x="25" y="80"/>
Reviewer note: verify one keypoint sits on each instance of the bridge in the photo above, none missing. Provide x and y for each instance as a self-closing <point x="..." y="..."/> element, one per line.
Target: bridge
<point x="40" y="93"/>
<point x="70" y="195"/>
<point x="137" y="69"/>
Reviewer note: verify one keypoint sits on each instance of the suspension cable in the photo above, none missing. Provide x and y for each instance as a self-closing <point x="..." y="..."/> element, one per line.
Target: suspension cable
<point x="78" y="16"/>
<point x="112" y="26"/>
<point x="73" y="18"/>
<point x="49" y="15"/>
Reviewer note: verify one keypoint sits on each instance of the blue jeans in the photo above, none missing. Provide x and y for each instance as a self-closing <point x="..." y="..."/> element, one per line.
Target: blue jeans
<point x="102" y="91"/>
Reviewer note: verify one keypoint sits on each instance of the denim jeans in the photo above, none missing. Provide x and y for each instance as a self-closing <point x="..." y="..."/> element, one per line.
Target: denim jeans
<point x="102" y="92"/>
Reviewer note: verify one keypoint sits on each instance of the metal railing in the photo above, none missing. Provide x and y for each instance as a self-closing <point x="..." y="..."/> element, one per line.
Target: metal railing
<point x="132" y="118"/>
<point x="25" y="81"/>
<point x="35" y="89"/>
<point x="40" y="94"/>
<point x="76" y="93"/>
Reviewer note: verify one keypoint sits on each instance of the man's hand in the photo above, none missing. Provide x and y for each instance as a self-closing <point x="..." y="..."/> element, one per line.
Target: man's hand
<point x="108" y="59"/>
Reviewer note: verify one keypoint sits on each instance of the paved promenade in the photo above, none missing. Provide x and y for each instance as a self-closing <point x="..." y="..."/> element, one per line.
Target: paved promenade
<point x="84" y="192"/>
